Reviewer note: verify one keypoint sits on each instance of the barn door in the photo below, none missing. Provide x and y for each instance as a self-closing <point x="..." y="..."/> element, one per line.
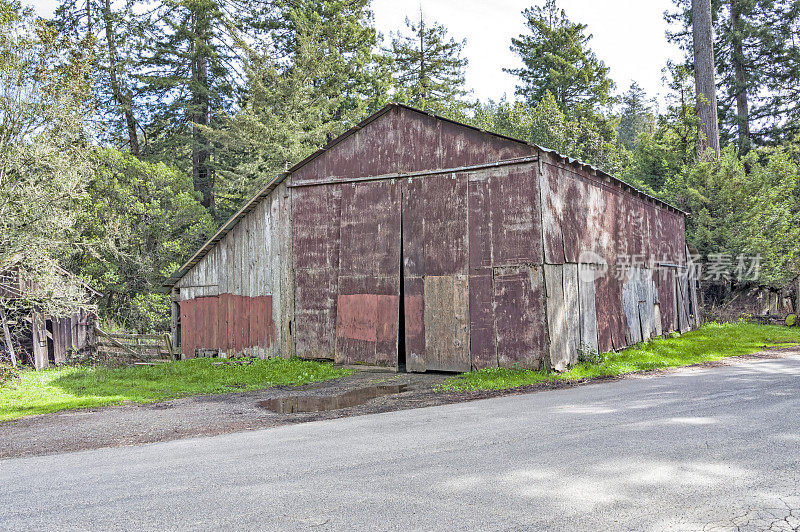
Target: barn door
<point x="435" y="269"/>
<point x="367" y="306"/>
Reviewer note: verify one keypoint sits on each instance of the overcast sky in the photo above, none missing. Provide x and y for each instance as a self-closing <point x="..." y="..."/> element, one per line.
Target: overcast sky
<point x="628" y="35"/>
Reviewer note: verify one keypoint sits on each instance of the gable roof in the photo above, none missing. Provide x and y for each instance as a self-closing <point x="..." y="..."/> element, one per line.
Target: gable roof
<point x="278" y="179"/>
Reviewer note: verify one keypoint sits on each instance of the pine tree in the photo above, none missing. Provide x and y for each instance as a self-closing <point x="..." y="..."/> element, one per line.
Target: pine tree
<point x="113" y="84"/>
<point x="557" y="59"/>
<point x="428" y="67"/>
<point x="636" y="117"/>
<point x="321" y="76"/>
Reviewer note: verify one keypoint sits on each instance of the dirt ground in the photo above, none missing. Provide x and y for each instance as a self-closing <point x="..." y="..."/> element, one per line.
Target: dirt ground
<point x="209" y="415"/>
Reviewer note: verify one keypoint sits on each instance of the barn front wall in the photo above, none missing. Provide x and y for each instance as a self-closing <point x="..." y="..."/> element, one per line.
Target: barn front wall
<point x="490" y="253"/>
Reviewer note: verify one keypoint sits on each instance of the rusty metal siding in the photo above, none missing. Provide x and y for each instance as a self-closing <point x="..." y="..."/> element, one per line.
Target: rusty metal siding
<point x="505" y="248"/>
<point x="490" y="256"/>
<point x="436" y="262"/>
<point x="482" y="336"/>
<point x="520" y="318"/>
<point x="317" y="213"/>
<point x="404" y="140"/>
<point x="369" y="274"/>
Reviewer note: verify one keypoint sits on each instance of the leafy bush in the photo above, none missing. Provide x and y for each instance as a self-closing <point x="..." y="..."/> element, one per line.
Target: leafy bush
<point x="7" y="373"/>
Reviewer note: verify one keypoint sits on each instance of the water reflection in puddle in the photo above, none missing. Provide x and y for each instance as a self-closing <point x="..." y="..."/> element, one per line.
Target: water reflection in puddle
<point x="317" y="403"/>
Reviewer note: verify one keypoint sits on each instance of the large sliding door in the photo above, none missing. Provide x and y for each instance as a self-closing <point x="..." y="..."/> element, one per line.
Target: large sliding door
<point x="435" y="251"/>
<point x="367" y="308"/>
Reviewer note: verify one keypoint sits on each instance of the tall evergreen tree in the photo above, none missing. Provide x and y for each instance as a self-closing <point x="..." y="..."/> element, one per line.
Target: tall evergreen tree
<point x="636" y="117"/>
<point x="557" y="59"/>
<point x="757" y="64"/>
<point x="191" y="69"/>
<point x="321" y="76"/>
<point x="109" y="28"/>
<point x="705" y="84"/>
<point x="428" y="67"/>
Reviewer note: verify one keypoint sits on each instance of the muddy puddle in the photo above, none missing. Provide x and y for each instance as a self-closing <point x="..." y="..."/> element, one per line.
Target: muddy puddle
<point x="311" y="403"/>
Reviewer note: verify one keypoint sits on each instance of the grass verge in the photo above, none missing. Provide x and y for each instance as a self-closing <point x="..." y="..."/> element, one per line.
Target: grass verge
<point x="711" y="342"/>
<point x="69" y="387"/>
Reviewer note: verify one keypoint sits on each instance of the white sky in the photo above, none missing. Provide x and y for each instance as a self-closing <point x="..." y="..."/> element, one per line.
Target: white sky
<point x="629" y="35"/>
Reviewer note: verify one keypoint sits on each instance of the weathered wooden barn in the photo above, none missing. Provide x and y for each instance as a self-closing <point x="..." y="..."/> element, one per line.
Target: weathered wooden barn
<point x="504" y="254"/>
<point x="37" y="337"/>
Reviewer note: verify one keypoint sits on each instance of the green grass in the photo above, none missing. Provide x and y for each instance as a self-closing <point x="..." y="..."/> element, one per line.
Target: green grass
<point x="711" y="342"/>
<point x="68" y="387"/>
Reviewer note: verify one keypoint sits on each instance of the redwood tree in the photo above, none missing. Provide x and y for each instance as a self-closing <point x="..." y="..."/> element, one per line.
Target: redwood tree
<point x="703" y="46"/>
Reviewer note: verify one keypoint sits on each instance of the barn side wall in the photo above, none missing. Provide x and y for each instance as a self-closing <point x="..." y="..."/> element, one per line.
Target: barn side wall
<point x="615" y="264"/>
<point x="239" y="298"/>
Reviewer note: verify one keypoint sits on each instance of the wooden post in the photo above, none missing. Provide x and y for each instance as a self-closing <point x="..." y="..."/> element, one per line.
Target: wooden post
<point x="39" y="335"/>
<point x="7" y="334"/>
<point x="175" y="307"/>
<point x="797" y="305"/>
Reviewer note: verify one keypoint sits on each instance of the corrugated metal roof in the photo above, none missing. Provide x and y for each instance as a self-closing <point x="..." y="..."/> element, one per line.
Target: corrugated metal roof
<point x="264" y="192"/>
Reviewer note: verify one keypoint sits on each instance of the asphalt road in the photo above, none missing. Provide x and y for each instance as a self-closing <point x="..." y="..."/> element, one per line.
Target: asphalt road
<point x="706" y="449"/>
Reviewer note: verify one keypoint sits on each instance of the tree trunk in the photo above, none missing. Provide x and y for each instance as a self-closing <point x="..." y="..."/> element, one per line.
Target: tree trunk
<point x="705" y="84"/>
<point x="123" y="97"/>
<point x="740" y="77"/>
<point x="201" y="173"/>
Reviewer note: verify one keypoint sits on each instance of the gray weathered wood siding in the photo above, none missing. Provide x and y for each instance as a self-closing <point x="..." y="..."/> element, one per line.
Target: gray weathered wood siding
<point x="239" y="298"/>
<point x="506" y="254"/>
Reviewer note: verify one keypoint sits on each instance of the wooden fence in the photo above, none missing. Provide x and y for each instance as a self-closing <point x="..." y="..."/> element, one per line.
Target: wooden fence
<point x="143" y="347"/>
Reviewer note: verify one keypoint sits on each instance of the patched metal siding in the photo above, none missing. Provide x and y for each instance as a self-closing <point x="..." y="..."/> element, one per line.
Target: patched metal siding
<point x="496" y="244"/>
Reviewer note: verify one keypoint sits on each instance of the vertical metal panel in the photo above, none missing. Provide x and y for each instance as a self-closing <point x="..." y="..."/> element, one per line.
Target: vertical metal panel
<point x="610" y="314"/>
<point x="435" y="247"/>
<point x="552" y="211"/>
<point x="369" y="274"/>
<point x="480" y="221"/>
<point x="316" y="266"/>
<point x="188" y="328"/>
<point x="515" y="216"/>
<point x="445" y="225"/>
<point x="483" y="343"/>
<point x="520" y="316"/>
<point x="588" y="313"/>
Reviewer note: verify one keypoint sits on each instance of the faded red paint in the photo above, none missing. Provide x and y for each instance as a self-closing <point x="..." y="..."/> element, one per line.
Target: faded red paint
<point x="229" y="323"/>
<point x="482" y="336"/>
<point x="403" y="141"/>
<point x="356" y="317"/>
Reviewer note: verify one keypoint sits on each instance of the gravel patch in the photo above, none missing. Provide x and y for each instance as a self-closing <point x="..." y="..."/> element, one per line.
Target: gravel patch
<point x="209" y="415"/>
